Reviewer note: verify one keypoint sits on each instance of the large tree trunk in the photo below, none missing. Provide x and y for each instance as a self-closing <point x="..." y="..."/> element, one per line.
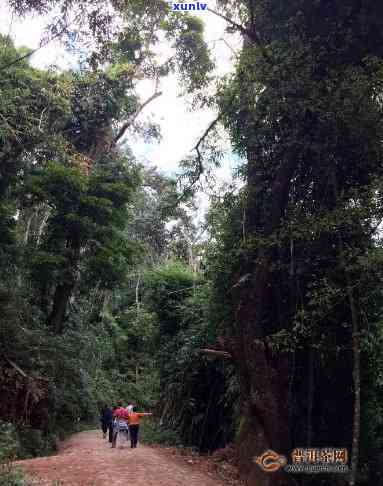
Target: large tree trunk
<point x="264" y="376"/>
<point x="264" y="381"/>
<point x="60" y="303"/>
<point x="64" y="290"/>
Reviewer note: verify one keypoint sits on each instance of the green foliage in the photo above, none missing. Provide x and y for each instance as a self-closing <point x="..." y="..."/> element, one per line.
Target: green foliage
<point x="9" y="444"/>
<point x="10" y="476"/>
<point x="64" y="251"/>
<point x="9" y="449"/>
<point x="33" y="442"/>
<point x="153" y="433"/>
<point x="195" y="400"/>
<point x="32" y="110"/>
<point x="169" y="286"/>
<point x="135" y="338"/>
<point x="191" y="50"/>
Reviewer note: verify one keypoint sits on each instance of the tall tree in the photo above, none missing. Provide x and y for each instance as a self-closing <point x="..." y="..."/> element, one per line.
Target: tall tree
<point x="301" y="109"/>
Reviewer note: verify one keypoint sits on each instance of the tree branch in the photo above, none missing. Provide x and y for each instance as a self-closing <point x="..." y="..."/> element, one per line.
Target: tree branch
<point x="199" y="169"/>
<point x="251" y="34"/>
<point x="200" y="141"/>
<point x="21" y="372"/>
<point x="375" y="228"/>
<point x="229" y="46"/>
<point x="239" y="27"/>
<point x="42" y="45"/>
<point x="17" y="368"/>
<point x="133" y="117"/>
<point x="216" y="353"/>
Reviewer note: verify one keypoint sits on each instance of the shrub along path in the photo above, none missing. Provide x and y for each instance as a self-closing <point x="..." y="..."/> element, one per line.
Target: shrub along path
<point x="87" y="460"/>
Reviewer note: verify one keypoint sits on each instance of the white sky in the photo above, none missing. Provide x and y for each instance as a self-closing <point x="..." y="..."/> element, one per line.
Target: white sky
<point x="180" y="127"/>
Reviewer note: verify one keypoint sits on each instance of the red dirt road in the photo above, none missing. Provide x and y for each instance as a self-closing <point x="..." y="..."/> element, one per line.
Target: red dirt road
<point x="87" y="460"/>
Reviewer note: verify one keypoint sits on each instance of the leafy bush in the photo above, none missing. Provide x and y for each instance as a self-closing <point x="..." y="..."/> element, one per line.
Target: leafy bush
<point x="9" y="442"/>
<point x="11" y="476"/>
<point x="9" y="449"/>
<point x="34" y="443"/>
<point x="153" y="433"/>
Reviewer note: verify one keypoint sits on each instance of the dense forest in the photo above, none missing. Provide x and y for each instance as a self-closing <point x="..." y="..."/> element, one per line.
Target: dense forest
<point x="266" y="332"/>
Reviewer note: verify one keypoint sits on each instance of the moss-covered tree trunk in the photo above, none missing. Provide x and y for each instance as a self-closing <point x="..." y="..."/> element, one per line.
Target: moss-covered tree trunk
<point x="264" y="375"/>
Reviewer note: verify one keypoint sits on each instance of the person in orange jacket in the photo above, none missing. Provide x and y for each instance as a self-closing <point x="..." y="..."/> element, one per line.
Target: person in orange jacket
<point x="134" y="425"/>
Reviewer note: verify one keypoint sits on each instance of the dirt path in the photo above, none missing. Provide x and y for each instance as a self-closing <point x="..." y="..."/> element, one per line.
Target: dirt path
<point x="87" y="460"/>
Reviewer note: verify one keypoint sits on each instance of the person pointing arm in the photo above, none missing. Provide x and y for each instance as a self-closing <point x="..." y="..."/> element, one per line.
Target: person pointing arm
<point x="134" y="425"/>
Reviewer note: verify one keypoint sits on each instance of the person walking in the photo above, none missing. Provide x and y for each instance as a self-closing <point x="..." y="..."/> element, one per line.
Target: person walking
<point x="129" y="409"/>
<point x="106" y="419"/>
<point x="134" y="425"/>
<point x="120" y="423"/>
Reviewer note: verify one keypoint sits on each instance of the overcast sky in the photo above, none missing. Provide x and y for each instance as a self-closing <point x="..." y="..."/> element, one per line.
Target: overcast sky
<point x="180" y="127"/>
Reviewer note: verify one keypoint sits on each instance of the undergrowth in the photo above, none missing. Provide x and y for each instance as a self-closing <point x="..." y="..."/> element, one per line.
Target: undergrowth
<point x="152" y="432"/>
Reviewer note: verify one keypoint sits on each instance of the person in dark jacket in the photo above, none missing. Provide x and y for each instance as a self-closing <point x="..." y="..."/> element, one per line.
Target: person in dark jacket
<point x="106" y="419"/>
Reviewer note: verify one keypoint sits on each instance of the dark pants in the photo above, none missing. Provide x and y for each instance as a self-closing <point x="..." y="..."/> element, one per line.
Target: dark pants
<point x="108" y="427"/>
<point x="133" y="429"/>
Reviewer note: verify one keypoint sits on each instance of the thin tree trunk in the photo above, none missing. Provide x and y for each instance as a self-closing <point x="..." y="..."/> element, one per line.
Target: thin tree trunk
<point x="202" y="435"/>
<point x="27" y="229"/>
<point x="244" y="225"/>
<point x="356" y="377"/>
<point x="137" y="294"/>
<point x="42" y="225"/>
<point x="310" y="397"/>
<point x="191" y="256"/>
<point x="355" y="371"/>
<point x="355" y="353"/>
